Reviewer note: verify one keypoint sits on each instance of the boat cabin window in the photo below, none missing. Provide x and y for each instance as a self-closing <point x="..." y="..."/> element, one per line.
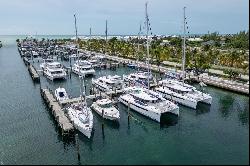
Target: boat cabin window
<point x="110" y="83"/>
<point x="133" y="76"/>
<point x="61" y="94"/>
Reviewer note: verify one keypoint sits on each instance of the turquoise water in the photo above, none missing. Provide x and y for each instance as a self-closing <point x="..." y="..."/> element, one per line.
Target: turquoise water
<point x="216" y="134"/>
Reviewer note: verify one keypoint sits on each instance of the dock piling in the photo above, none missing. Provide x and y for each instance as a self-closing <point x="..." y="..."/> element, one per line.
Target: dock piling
<point x="77" y="147"/>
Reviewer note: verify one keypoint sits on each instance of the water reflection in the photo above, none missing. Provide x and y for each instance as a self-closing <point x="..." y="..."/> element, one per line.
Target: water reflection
<point x="225" y="105"/>
<point x="202" y="108"/>
<point x="168" y="120"/>
<point x="243" y="113"/>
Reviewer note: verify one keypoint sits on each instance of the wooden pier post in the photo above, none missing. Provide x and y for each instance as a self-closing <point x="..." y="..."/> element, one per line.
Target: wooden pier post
<point x="77" y="147"/>
<point x="70" y="68"/>
<point x="128" y="111"/>
<point x="103" y="136"/>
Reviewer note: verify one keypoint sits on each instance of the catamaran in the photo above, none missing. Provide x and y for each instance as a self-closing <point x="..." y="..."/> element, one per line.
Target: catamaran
<point x="45" y="61"/>
<point x="83" y="68"/>
<point x="171" y="88"/>
<point x="182" y="93"/>
<point x="108" y="83"/>
<point x="139" y="78"/>
<point x="146" y="101"/>
<point x="54" y="70"/>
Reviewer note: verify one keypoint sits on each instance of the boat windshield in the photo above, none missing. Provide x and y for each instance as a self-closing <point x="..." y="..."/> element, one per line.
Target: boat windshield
<point x="108" y="105"/>
<point x="48" y="60"/>
<point x="56" y="72"/>
<point x="61" y="94"/>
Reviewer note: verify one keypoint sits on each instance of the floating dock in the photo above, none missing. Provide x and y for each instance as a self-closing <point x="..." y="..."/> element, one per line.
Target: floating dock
<point x="91" y="97"/>
<point x="35" y="76"/>
<point x="57" y="111"/>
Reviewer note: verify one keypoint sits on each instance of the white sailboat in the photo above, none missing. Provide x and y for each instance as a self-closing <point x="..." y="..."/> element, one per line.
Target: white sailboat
<point x="81" y="117"/>
<point x="80" y="114"/>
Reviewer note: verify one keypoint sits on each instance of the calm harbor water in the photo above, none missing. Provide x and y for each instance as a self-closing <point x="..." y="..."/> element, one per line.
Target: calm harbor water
<point x="216" y="134"/>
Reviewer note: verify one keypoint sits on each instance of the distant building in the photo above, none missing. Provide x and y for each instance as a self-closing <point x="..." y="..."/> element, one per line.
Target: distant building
<point x="223" y="41"/>
<point x="165" y="42"/>
<point x="195" y="39"/>
<point x="210" y="43"/>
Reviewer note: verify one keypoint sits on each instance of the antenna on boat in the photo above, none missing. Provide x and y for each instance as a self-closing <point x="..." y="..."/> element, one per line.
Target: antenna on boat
<point x="184" y="45"/>
<point x="147" y="26"/>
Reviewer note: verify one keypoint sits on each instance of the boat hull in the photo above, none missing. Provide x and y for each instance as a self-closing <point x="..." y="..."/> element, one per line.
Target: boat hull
<point x="97" y="110"/>
<point x="133" y="106"/>
<point x="90" y="72"/>
<point x="185" y="102"/>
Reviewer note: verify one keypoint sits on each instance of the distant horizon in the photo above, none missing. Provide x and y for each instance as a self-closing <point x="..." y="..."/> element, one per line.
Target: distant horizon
<point x="56" y="17"/>
<point x="117" y="34"/>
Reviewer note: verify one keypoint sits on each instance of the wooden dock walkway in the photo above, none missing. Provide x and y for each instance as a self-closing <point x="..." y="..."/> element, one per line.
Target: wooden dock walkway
<point x="35" y="76"/>
<point x="26" y="61"/>
<point x="57" y="111"/>
<point x="91" y="97"/>
<point x="236" y="88"/>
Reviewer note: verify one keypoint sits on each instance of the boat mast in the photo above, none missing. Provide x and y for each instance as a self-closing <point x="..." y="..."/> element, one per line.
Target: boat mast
<point x="80" y="76"/>
<point x="146" y="12"/>
<point x="89" y="37"/>
<point x="106" y="36"/>
<point x="76" y="39"/>
<point x="138" y="48"/>
<point x="184" y="46"/>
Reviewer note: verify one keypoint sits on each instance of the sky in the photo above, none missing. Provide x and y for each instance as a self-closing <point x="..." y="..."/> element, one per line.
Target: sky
<point x="55" y="17"/>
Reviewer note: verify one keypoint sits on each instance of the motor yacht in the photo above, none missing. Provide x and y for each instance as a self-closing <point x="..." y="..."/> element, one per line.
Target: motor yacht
<point x="108" y="83"/>
<point x="105" y="108"/>
<point x="83" y="68"/>
<point x="61" y="94"/>
<point x="54" y="70"/>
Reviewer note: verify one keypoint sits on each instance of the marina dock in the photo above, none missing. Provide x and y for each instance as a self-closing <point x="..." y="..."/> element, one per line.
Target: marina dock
<point x="57" y="111"/>
<point x="239" y="87"/>
<point x="91" y="97"/>
<point x="26" y="61"/>
<point x="35" y="76"/>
